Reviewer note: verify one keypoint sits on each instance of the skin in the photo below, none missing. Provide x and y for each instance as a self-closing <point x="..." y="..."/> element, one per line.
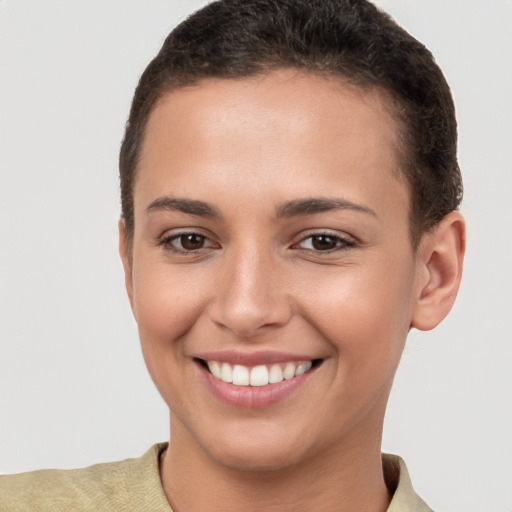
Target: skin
<point x="256" y="281"/>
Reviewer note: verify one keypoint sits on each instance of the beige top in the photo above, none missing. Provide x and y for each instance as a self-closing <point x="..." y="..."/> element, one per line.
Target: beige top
<point x="133" y="485"/>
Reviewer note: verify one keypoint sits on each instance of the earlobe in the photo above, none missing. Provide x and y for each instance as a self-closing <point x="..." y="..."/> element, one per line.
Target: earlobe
<point x="439" y="269"/>
<point x="126" y="258"/>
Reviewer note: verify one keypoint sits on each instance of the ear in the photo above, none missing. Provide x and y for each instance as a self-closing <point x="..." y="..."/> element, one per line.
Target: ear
<point x="439" y="269"/>
<point x="125" y="251"/>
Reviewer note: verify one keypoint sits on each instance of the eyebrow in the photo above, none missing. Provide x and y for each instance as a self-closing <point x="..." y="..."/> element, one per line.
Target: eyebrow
<point x="314" y="205"/>
<point x="189" y="206"/>
<point x="294" y="208"/>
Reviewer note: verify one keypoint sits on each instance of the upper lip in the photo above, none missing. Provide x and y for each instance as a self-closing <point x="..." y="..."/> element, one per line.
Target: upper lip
<point x="253" y="358"/>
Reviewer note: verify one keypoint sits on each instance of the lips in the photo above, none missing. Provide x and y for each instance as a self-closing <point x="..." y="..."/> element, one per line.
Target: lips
<point x="254" y="380"/>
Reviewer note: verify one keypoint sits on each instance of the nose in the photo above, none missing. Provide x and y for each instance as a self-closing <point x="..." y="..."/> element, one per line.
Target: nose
<point x="251" y="296"/>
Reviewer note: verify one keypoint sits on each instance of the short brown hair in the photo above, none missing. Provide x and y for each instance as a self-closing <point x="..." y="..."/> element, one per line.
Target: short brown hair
<point x="350" y="39"/>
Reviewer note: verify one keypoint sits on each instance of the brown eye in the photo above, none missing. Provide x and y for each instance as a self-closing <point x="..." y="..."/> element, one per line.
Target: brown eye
<point x="324" y="242"/>
<point x="190" y="242"/>
<point x="187" y="243"/>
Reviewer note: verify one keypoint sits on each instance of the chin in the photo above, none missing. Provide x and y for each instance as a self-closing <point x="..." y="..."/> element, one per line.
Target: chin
<point x="263" y="449"/>
<point x="256" y="460"/>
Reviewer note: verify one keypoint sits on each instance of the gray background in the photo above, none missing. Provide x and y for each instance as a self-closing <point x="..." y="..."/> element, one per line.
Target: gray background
<point x="73" y="387"/>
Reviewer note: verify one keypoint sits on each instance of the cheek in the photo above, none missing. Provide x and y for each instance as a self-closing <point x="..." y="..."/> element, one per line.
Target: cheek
<point x="167" y="303"/>
<point x="364" y="312"/>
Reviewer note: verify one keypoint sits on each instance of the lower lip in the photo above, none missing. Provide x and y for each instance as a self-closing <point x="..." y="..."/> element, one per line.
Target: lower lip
<point x="253" y="397"/>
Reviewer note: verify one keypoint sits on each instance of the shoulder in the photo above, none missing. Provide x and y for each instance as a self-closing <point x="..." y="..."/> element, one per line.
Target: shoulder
<point x="131" y="484"/>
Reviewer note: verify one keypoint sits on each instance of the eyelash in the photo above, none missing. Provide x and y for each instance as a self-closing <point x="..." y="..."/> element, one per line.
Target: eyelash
<point x="341" y="243"/>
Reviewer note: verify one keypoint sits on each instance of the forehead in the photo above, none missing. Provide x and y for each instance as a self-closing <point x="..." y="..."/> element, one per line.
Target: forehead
<point x="270" y="130"/>
<point x="292" y="98"/>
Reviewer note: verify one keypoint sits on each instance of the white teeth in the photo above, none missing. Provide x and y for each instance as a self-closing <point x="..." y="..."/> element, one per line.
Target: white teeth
<point x="259" y="376"/>
<point x="214" y="367"/>
<point x="302" y="368"/>
<point x="275" y="374"/>
<point x="226" y="373"/>
<point x="289" y="371"/>
<point x="240" y="375"/>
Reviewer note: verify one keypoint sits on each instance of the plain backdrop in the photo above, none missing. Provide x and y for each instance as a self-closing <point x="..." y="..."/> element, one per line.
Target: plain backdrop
<point x="73" y="387"/>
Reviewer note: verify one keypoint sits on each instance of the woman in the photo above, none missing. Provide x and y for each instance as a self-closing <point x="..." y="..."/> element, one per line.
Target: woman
<point x="289" y="190"/>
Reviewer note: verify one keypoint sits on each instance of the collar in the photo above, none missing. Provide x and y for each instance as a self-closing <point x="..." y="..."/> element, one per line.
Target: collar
<point x="399" y="484"/>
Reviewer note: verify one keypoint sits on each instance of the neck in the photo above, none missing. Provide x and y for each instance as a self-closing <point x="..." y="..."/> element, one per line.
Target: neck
<point x="345" y="479"/>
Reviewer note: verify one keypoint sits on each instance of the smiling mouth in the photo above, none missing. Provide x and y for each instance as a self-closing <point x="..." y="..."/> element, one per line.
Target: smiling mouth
<point x="260" y="375"/>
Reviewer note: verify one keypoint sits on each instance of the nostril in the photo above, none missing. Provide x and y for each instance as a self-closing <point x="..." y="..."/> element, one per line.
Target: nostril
<point x="248" y="319"/>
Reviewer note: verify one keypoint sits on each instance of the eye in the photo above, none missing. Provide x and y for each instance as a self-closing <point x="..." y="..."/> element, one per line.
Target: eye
<point x="186" y="242"/>
<point x="324" y="243"/>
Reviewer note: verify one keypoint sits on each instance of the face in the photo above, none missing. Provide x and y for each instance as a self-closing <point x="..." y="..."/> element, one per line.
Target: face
<point x="271" y="249"/>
